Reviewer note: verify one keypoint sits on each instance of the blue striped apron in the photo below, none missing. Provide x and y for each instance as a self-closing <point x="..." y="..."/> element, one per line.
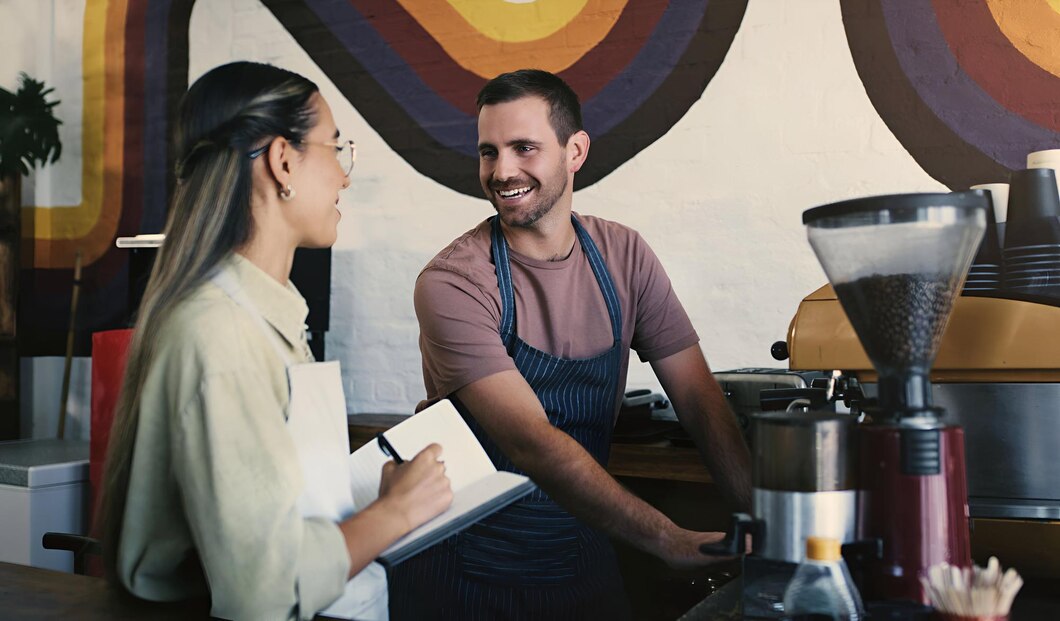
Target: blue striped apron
<point x="533" y="560"/>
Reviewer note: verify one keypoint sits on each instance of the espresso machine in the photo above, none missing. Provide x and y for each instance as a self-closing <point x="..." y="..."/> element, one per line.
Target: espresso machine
<point x="897" y="264"/>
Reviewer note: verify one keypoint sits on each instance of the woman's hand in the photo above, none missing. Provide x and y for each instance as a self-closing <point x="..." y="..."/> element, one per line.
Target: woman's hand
<point x="417" y="490"/>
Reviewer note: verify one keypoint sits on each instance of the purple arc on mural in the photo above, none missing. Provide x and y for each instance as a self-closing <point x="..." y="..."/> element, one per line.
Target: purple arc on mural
<point x="933" y="99"/>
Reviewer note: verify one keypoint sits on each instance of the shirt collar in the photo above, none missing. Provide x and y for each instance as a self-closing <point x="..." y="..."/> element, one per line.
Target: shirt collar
<point x="282" y="307"/>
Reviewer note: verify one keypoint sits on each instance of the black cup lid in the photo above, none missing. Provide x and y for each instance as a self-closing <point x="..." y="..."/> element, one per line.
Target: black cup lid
<point x="974" y="199"/>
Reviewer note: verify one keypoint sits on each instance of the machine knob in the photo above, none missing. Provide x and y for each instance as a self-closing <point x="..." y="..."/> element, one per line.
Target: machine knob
<point x="779" y="350"/>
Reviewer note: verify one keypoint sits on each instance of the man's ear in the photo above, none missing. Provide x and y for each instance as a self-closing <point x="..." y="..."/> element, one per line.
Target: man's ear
<point x="279" y="155"/>
<point x="577" y="150"/>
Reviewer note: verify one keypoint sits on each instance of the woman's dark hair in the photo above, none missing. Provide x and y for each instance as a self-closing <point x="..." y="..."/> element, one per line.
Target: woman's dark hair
<point x="226" y="113"/>
<point x="564" y="109"/>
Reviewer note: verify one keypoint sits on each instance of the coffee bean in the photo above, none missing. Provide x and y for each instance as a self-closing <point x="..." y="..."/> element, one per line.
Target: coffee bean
<point x="898" y="317"/>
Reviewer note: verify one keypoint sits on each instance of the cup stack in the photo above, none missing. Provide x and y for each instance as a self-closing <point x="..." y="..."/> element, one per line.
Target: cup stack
<point x="985" y="274"/>
<point x="1032" y="236"/>
<point x="1050" y="158"/>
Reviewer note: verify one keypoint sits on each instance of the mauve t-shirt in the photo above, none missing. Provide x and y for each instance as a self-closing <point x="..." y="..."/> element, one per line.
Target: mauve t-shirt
<point x="559" y="307"/>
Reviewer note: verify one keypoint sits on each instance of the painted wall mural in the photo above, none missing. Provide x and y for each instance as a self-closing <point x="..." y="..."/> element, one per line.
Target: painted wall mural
<point x="969" y="87"/>
<point x="411" y="68"/>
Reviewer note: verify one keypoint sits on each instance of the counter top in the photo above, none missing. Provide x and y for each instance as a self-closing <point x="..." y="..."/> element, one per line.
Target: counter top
<point x="722" y="605"/>
<point x="1037" y="601"/>
<point x="35" y="463"/>
<point x="33" y="593"/>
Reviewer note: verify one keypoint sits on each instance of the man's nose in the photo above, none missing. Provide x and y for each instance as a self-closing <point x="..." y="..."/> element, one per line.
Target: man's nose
<point x="507" y="167"/>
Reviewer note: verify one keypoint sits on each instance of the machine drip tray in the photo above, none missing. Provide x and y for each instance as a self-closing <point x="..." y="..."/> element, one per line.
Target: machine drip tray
<point x="1013" y="508"/>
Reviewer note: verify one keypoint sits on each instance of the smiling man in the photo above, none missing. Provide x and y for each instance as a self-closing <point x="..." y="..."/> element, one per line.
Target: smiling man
<point x="526" y="322"/>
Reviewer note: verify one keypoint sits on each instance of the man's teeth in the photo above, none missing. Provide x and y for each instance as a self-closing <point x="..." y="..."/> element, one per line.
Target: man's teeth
<point x="513" y="193"/>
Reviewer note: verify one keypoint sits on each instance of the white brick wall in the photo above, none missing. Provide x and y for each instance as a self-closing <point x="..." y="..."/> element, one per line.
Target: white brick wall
<point x="785" y="125"/>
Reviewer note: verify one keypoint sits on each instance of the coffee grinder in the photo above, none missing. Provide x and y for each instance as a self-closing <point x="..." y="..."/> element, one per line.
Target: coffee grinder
<point x="897" y="263"/>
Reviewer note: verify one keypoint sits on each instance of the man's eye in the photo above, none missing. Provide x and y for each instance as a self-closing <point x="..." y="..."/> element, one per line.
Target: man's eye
<point x="487" y="154"/>
<point x="525" y="148"/>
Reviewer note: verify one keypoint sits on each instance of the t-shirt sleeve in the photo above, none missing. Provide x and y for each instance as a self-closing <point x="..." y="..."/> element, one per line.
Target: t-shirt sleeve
<point x="460" y="339"/>
<point x="240" y="481"/>
<point x="662" y="326"/>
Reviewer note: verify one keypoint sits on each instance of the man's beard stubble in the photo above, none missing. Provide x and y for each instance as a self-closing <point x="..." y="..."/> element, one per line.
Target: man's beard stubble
<point x="541" y="207"/>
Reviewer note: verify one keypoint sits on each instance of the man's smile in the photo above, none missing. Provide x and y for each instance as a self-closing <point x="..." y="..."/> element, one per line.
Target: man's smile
<point x="514" y="193"/>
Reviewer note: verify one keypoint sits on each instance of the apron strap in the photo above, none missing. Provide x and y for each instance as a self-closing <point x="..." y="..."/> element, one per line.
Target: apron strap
<point x="603" y="278"/>
<point x="230" y="286"/>
<point x="504" y="280"/>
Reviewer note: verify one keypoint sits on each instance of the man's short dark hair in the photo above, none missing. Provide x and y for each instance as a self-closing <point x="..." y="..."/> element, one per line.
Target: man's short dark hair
<point x="564" y="110"/>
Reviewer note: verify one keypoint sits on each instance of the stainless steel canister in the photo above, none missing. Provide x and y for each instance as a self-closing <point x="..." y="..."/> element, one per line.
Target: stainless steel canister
<point x="804" y="478"/>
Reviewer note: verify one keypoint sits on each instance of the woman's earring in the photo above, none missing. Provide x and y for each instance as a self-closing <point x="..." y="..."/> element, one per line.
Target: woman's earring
<point x="287" y="193"/>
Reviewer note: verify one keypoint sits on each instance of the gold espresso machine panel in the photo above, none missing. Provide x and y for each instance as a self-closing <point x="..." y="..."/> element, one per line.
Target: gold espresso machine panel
<point x="997" y="375"/>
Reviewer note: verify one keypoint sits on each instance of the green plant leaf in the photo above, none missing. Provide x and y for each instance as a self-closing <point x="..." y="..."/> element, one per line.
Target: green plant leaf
<point x="29" y="130"/>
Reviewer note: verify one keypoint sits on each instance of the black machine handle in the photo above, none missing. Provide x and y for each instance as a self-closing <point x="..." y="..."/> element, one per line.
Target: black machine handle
<point x="857" y="552"/>
<point x="735" y="541"/>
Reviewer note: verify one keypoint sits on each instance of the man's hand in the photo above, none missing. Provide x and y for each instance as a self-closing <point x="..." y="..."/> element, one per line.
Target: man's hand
<point x="681" y="549"/>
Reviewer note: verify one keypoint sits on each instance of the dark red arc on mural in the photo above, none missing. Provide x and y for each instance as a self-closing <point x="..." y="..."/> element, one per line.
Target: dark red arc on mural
<point x="997" y="66"/>
<point x="936" y="148"/>
<point x="460" y="87"/>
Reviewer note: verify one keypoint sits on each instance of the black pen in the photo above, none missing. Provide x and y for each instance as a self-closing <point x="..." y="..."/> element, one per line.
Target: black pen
<point x="388" y="449"/>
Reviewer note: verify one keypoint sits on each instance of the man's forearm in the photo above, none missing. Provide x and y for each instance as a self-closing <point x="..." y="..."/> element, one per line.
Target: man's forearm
<point x="705" y="414"/>
<point x="723" y="450"/>
<point x="511" y="415"/>
<point x="583" y="487"/>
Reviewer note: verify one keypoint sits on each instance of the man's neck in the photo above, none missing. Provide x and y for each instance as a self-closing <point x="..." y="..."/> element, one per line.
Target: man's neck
<point x="549" y="239"/>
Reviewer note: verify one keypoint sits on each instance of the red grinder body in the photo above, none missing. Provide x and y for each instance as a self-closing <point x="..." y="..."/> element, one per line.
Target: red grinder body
<point x="914" y="497"/>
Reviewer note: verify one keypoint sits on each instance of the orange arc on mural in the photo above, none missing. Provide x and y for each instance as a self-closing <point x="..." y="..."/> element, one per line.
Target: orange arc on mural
<point x="486" y="49"/>
<point x="57" y="233"/>
<point x="1032" y="28"/>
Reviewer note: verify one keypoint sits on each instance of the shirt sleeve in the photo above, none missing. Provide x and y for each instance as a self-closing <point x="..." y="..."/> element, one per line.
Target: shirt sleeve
<point x="662" y="326"/>
<point x="460" y="339"/>
<point x="240" y="481"/>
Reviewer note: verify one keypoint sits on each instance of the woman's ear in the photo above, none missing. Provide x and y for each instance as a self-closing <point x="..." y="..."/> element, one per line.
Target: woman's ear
<point x="577" y="150"/>
<point x="279" y="161"/>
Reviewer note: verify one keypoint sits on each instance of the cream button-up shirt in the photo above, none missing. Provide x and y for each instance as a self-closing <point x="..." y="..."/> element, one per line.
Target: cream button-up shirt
<point x="213" y="496"/>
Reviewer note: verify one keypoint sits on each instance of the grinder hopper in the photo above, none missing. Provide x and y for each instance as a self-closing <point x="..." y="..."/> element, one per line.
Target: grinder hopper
<point x="897" y="263"/>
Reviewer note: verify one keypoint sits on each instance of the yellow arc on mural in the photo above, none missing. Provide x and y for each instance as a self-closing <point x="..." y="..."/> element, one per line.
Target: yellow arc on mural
<point x="512" y="22"/>
<point x="57" y="233"/>
<point x="488" y="37"/>
<point x="1032" y="29"/>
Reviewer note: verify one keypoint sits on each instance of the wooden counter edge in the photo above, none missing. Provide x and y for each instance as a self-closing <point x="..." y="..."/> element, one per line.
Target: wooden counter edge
<point x="659" y="460"/>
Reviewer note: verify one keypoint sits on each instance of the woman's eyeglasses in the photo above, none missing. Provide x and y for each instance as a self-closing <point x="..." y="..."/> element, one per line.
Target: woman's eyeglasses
<point x="345" y="152"/>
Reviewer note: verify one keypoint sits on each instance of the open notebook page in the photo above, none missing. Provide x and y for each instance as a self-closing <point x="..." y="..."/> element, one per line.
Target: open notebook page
<point x="465" y="459"/>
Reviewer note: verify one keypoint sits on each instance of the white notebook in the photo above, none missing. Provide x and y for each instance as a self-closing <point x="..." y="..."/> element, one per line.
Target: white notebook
<point x="479" y="489"/>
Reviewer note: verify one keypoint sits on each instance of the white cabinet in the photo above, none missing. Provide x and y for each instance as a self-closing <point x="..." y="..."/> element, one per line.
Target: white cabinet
<point x="43" y="487"/>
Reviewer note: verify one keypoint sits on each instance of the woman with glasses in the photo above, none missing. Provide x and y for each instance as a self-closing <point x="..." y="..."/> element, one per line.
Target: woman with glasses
<point x="226" y="474"/>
